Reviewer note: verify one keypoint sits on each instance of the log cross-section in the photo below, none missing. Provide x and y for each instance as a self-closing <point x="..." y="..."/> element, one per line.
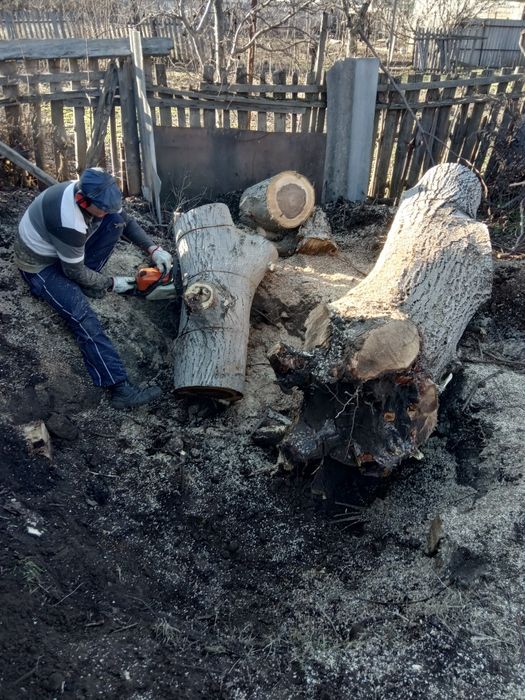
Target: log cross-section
<point x="284" y="201"/>
<point x="372" y="360"/>
<point x="221" y="267"/>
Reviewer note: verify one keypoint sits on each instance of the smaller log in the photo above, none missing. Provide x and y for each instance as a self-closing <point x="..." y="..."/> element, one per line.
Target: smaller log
<point x="283" y="201"/>
<point x="315" y="235"/>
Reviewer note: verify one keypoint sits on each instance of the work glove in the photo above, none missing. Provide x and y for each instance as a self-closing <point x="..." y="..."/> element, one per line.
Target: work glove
<point x="162" y="259"/>
<point x="123" y="284"/>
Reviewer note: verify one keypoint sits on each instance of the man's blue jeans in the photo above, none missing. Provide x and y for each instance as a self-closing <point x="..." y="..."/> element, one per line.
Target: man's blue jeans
<point x="65" y="296"/>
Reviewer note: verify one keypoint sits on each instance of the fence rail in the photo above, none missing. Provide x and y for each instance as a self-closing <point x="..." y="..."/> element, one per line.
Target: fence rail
<point x="32" y="24"/>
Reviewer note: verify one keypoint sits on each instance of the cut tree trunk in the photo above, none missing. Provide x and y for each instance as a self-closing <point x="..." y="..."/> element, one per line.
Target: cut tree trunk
<point x="315" y="235"/>
<point x="283" y="201"/>
<point x="221" y="268"/>
<point x="373" y="358"/>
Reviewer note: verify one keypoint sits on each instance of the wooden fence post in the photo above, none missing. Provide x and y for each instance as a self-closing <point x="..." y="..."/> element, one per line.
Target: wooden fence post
<point x="152" y="184"/>
<point x="129" y="127"/>
<point x="351" y="102"/>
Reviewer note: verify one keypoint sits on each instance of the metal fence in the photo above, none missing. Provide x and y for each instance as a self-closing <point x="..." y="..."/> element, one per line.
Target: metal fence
<point x="483" y="43"/>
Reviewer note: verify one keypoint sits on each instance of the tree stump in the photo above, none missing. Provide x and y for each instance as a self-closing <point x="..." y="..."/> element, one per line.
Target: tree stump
<point x="372" y="359"/>
<point x="220" y="268"/>
<point x="282" y="202"/>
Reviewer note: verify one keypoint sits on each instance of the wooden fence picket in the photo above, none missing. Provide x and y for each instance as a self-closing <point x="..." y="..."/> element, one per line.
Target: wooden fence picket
<point x="439" y="145"/>
<point x="404" y="140"/>
<point x="79" y="121"/>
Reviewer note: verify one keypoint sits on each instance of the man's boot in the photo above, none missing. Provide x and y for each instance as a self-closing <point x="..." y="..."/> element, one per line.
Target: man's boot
<point x="126" y="395"/>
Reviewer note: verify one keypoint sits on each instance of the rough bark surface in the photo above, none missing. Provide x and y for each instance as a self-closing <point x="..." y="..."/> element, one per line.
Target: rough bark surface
<point x="372" y="359"/>
<point x="221" y="268"/>
<point x="283" y="201"/>
<point x="315" y="235"/>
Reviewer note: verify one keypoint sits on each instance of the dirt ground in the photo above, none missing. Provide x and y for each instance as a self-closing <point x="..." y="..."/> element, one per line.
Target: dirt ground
<point x="162" y="554"/>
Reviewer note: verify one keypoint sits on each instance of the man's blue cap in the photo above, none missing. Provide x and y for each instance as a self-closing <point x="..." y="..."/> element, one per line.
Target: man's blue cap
<point x="102" y="190"/>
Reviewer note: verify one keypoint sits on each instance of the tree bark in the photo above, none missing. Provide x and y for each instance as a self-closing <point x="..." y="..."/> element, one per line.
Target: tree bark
<point x="284" y="201"/>
<point x="221" y="268"/>
<point x="372" y="359"/>
<point x="315" y="235"/>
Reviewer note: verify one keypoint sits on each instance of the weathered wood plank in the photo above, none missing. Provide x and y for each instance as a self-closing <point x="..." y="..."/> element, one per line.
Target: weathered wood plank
<point x="103" y="111"/>
<point x="13" y="112"/>
<point x="209" y="115"/>
<point x="490" y="128"/>
<point x="152" y="184"/>
<point x="79" y="48"/>
<point x="262" y="116"/>
<point x="161" y="78"/>
<point x="388" y="135"/>
<point x="37" y="133"/>
<point x="228" y="97"/>
<point x="459" y="82"/>
<point x="310" y="98"/>
<point x="279" y="78"/>
<point x="262" y="88"/>
<point x="37" y="77"/>
<point x="423" y="140"/>
<point x="243" y="117"/>
<point x="79" y="116"/>
<point x="472" y="137"/>
<point x="113" y="145"/>
<point x="404" y="144"/>
<point x="429" y="124"/>
<point x="442" y="128"/>
<point x="12" y="155"/>
<point x="510" y="114"/>
<point x="129" y="127"/>
<point x="295" y="81"/>
<point x="460" y="128"/>
<point x="58" y="128"/>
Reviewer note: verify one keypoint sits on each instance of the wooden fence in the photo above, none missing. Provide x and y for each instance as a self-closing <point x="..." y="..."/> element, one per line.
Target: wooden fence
<point x="459" y="119"/>
<point x="50" y="92"/>
<point x="50" y="102"/>
<point x="32" y="24"/>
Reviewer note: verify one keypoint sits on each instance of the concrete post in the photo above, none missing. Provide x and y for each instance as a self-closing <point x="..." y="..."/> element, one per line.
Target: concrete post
<point x="351" y="99"/>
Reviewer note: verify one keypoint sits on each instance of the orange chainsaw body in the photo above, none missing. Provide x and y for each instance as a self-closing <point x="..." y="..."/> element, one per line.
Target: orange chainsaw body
<point x="151" y="284"/>
<point x="146" y="277"/>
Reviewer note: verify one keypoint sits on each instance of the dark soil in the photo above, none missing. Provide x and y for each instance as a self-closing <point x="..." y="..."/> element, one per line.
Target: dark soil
<point x="162" y="554"/>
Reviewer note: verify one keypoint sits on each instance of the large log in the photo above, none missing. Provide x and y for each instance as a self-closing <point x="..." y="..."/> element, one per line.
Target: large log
<point x="221" y="267"/>
<point x="284" y="201"/>
<point x="372" y="360"/>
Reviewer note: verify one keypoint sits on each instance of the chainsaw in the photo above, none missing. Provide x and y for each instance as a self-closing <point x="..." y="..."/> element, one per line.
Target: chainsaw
<point x="151" y="284"/>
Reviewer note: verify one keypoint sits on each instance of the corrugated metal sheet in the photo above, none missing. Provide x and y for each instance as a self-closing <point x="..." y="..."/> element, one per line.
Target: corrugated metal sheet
<point x="494" y="44"/>
<point x="483" y="43"/>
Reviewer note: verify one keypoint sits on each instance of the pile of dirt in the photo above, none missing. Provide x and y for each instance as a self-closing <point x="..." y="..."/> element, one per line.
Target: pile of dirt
<point x="161" y="553"/>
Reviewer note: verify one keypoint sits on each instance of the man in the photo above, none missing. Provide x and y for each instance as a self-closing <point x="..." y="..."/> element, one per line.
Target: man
<point x="64" y="240"/>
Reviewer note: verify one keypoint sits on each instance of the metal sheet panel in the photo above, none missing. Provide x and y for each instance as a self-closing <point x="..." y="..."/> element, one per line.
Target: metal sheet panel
<point x="207" y="163"/>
